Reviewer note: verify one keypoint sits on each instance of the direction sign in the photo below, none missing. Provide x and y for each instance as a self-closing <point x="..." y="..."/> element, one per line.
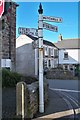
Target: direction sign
<point x="28" y="31"/>
<point x="1" y="7"/>
<point x="52" y="19"/>
<point x="50" y="27"/>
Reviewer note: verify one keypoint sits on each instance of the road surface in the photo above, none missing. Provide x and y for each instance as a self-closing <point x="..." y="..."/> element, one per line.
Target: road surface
<point x="70" y="91"/>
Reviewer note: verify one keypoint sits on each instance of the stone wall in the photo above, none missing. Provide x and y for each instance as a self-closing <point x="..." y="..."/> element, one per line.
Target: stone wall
<point x="59" y="73"/>
<point x="8" y="21"/>
<point x="32" y="99"/>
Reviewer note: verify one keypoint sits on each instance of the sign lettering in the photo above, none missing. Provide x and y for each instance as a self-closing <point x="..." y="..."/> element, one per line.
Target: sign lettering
<point x="28" y="31"/>
<point x="52" y="19"/>
<point x="50" y="27"/>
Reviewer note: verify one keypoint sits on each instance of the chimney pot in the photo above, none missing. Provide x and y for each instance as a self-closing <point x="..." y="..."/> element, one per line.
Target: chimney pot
<point x="60" y="38"/>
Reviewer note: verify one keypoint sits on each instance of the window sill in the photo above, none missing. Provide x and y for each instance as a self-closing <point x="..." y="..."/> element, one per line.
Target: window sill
<point x="65" y="58"/>
<point x="46" y="54"/>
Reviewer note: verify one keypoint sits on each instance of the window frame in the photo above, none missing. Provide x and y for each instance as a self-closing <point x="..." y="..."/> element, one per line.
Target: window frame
<point x="46" y="50"/>
<point x="51" y="52"/>
<point x="66" y="67"/>
<point x="66" y="56"/>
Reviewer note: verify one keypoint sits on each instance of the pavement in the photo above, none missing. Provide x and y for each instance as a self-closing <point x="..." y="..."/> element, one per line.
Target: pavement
<point x="57" y="108"/>
<point x="8" y="103"/>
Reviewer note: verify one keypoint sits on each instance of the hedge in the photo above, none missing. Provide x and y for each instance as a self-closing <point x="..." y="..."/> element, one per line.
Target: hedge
<point x="10" y="79"/>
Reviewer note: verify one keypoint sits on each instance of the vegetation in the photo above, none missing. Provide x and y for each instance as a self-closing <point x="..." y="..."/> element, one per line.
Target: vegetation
<point x="10" y="79"/>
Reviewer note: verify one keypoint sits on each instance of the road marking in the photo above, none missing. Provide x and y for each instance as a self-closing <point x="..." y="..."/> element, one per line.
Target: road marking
<point x="65" y="90"/>
<point x="59" y="114"/>
<point x="69" y="106"/>
<point x="56" y="115"/>
<point x="73" y="98"/>
<point x="70" y="99"/>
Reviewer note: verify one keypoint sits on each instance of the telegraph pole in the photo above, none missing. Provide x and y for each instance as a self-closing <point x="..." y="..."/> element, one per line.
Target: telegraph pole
<point x="40" y="38"/>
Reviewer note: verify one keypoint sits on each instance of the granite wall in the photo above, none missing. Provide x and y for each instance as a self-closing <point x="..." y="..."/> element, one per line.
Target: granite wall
<point x="8" y="39"/>
<point x="31" y="99"/>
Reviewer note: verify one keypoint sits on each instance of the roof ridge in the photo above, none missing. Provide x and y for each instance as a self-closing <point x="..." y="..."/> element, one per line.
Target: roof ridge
<point x="71" y="39"/>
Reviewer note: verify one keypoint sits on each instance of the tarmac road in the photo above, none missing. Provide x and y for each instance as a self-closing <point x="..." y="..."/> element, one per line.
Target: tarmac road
<point x="8" y="103"/>
<point x="70" y="91"/>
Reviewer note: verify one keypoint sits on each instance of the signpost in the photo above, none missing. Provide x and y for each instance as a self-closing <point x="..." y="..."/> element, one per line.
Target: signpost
<point x="28" y="31"/>
<point x="52" y="19"/>
<point x="1" y="7"/>
<point x="50" y="27"/>
<point x="47" y="26"/>
<point x="40" y="38"/>
<point x="39" y="34"/>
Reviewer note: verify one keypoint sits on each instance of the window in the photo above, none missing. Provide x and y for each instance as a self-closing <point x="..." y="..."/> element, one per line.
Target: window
<point x="46" y="50"/>
<point x="2" y="24"/>
<point x="45" y="63"/>
<point x="49" y="63"/>
<point x="55" y="53"/>
<point x="71" y="67"/>
<point x="66" y="67"/>
<point x="66" y="55"/>
<point x="51" y="51"/>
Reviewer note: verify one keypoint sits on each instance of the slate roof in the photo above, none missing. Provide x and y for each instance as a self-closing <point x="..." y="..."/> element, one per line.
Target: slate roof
<point x="45" y="42"/>
<point x="32" y="37"/>
<point x="68" y="44"/>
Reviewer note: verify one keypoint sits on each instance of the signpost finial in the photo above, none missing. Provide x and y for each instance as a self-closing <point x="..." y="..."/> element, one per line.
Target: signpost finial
<point x="40" y="9"/>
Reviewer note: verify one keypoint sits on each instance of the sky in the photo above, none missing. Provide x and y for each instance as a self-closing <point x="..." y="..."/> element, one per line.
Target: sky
<point x="27" y="16"/>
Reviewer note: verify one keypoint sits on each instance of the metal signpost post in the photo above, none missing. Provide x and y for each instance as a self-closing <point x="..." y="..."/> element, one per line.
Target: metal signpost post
<point x="40" y="37"/>
<point x="39" y="34"/>
<point x="47" y="26"/>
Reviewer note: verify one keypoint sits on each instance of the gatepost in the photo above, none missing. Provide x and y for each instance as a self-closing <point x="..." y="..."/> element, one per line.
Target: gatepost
<point x="21" y="100"/>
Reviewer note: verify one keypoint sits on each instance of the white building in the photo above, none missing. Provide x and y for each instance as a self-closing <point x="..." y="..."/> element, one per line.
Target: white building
<point x="27" y="55"/>
<point x="69" y="53"/>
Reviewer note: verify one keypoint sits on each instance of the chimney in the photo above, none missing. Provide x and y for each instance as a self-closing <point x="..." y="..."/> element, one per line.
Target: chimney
<point x="60" y="37"/>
